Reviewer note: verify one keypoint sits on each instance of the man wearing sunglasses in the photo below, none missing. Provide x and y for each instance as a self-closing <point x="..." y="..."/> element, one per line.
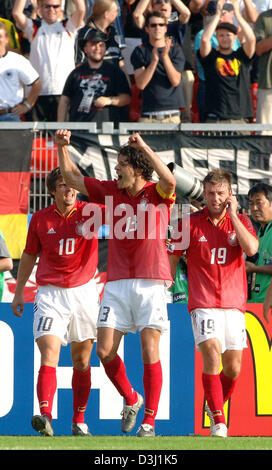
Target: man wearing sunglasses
<point x="52" y="41"/>
<point x="177" y="16"/>
<point x="158" y="65"/>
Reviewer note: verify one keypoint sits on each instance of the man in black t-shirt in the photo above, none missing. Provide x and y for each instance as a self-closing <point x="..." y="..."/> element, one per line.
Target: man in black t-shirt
<point x="227" y="71"/>
<point x="96" y="90"/>
<point x="158" y="65"/>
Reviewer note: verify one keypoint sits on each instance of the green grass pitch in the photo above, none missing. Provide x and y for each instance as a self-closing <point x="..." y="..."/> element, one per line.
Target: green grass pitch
<point x="113" y="443"/>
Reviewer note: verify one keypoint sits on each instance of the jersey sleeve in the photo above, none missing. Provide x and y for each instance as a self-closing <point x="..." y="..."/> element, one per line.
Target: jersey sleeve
<point x="33" y="245"/>
<point x="68" y="85"/>
<point x="30" y="29"/>
<point x="28" y="74"/>
<point x="178" y="58"/>
<point x="137" y="59"/>
<point x="122" y="83"/>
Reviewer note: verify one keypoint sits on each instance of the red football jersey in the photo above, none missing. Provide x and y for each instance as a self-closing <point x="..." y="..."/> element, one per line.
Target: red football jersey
<point x="66" y="257"/>
<point x="215" y="261"/>
<point x="138" y="228"/>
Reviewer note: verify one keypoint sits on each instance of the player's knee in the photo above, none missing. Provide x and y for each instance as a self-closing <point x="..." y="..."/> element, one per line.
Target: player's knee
<point x="232" y="370"/>
<point x="81" y="364"/>
<point x="150" y="354"/>
<point x="105" y="355"/>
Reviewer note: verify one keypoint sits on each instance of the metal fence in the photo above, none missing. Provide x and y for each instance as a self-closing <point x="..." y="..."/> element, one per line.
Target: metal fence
<point x="44" y="150"/>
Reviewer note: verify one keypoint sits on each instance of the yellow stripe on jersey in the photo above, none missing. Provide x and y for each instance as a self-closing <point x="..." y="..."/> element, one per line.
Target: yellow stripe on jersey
<point x="163" y="194"/>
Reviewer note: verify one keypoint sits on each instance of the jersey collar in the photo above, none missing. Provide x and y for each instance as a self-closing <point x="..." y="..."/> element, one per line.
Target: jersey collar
<point x="221" y="221"/>
<point x="72" y="211"/>
<point x="148" y="183"/>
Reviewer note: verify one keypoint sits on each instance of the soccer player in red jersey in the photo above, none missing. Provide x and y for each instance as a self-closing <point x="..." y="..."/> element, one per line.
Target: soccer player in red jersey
<point x="138" y="267"/>
<point x="63" y="311"/>
<point x="217" y="289"/>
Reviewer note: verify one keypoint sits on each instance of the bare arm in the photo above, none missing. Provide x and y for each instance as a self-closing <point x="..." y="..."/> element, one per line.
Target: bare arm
<point x="6" y="264"/>
<point x="122" y="99"/>
<point x="249" y="44"/>
<point x="70" y="172"/>
<point x="248" y="242"/>
<point x="173" y="260"/>
<point x="18" y="14"/>
<point x="25" y="269"/>
<point x="139" y="13"/>
<point x="167" y="181"/>
<point x="183" y="10"/>
<point x="250" y="12"/>
<point x="79" y="13"/>
<point x="63" y="107"/>
<point x="263" y="46"/>
<point x="23" y="108"/>
<point x="34" y="92"/>
<point x="173" y="74"/>
<point x="253" y="268"/>
<point x="143" y="75"/>
<point x="205" y="45"/>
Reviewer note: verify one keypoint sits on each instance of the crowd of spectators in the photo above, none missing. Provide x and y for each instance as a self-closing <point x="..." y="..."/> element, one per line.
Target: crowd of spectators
<point x="175" y="61"/>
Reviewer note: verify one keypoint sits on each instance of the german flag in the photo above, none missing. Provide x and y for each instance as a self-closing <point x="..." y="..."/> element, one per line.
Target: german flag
<point x="15" y="159"/>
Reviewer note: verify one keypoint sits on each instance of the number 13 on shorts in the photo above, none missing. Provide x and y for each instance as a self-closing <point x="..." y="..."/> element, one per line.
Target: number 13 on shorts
<point x="104" y="313"/>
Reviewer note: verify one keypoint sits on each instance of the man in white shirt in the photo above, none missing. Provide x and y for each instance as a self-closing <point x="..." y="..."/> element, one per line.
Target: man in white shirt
<point x="16" y="73"/>
<point x="52" y="40"/>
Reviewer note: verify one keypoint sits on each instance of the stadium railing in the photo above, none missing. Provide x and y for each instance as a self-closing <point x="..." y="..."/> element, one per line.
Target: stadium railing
<point x="44" y="152"/>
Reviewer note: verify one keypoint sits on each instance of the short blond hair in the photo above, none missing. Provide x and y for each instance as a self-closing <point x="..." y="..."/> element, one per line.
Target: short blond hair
<point x="100" y="7"/>
<point x="218" y="176"/>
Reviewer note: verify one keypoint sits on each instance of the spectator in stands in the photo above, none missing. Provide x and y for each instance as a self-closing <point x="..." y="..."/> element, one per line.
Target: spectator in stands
<point x="263" y="33"/>
<point x="95" y="90"/>
<point x="14" y="41"/>
<point x="227" y="71"/>
<point x="104" y="14"/>
<point x="158" y="65"/>
<point x="260" y="204"/>
<point x="226" y="16"/>
<point x="177" y="15"/>
<point x="52" y="40"/>
<point x="174" y="26"/>
<point x="16" y="73"/>
<point x="248" y="8"/>
<point x="132" y="33"/>
<point x="6" y="263"/>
